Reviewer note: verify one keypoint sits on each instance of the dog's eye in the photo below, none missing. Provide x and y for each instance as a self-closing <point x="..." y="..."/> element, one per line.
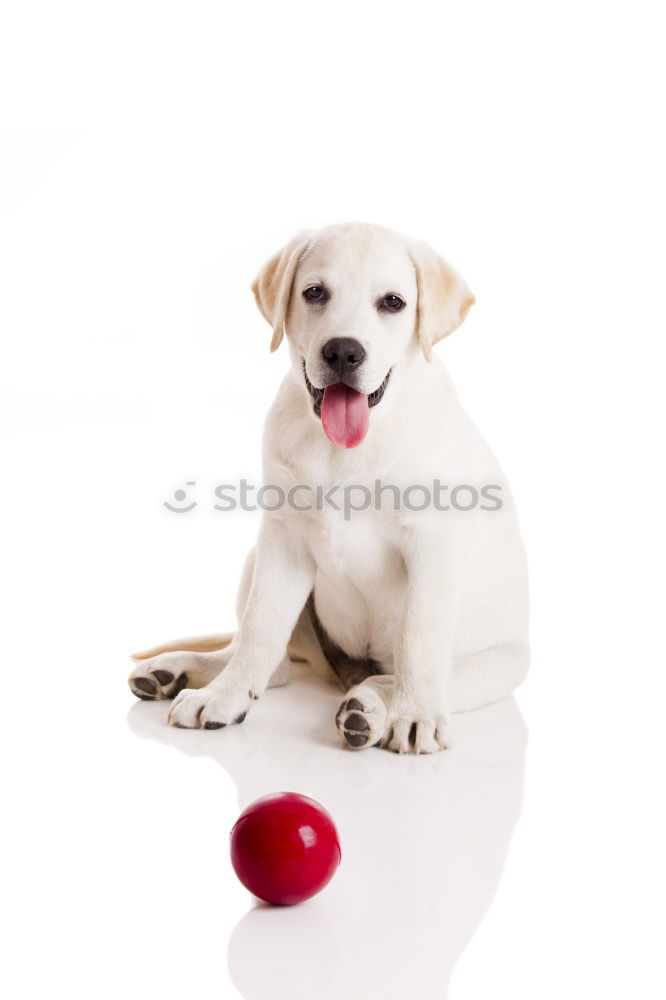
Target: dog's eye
<point x="391" y="303"/>
<point x="315" y="293"/>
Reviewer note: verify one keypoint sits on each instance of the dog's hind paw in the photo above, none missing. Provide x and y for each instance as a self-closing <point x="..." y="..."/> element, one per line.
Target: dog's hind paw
<point x="166" y="674"/>
<point x="361" y="718"/>
<point x="157" y="678"/>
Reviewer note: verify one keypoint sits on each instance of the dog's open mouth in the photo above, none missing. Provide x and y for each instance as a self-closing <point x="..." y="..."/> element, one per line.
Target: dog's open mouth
<point x="344" y="412"/>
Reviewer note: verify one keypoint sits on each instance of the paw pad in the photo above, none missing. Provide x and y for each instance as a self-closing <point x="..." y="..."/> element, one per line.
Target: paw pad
<point x="145" y="685"/>
<point x="158" y="684"/>
<point x="163" y="677"/>
<point x="355" y="725"/>
<point x="355" y="739"/>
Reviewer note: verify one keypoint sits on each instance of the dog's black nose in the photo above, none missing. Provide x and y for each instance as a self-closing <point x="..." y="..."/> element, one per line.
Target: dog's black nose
<point x="343" y="354"/>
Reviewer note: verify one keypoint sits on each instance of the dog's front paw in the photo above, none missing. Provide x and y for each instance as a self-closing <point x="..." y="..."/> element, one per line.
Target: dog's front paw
<point x="417" y="732"/>
<point x="212" y="707"/>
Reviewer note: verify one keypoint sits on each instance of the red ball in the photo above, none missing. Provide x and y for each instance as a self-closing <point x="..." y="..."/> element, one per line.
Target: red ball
<point x="285" y="848"/>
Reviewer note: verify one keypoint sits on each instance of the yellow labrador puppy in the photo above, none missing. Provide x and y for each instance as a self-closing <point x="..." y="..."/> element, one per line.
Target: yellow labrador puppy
<point x="393" y="560"/>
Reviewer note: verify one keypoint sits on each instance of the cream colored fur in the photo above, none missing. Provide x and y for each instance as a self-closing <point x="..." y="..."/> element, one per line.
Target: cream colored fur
<point x="438" y="599"/>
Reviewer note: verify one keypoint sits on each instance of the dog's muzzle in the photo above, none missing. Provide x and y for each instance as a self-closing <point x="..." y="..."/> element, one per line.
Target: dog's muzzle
<point x="318" y="394"/>
<point x="344" y="411"/>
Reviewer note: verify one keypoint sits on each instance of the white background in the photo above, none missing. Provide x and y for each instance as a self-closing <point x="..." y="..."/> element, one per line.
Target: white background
<point x="152" y="157"/>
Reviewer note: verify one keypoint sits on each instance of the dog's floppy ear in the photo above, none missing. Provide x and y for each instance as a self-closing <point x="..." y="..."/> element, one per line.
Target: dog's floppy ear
<point x="272" y="286"/>
<point x="443" y="297"/>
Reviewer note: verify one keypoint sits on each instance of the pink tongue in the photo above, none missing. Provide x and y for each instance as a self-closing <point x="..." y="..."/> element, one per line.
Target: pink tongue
<point x="344" y="415"/>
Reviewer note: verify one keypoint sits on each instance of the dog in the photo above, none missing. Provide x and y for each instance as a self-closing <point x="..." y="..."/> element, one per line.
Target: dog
<point x="418" y="609"/>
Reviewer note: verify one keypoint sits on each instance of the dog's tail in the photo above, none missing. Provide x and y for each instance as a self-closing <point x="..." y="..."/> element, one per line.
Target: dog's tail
<point x="196" y="644"/>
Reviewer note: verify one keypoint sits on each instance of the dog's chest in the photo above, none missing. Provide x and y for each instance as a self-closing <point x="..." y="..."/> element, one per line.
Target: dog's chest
<point x="357" y="548"/>
<point x="359" y="583"/>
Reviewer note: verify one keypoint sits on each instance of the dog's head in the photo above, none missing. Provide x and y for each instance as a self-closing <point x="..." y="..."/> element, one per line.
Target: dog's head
<point x="357" y="303"/>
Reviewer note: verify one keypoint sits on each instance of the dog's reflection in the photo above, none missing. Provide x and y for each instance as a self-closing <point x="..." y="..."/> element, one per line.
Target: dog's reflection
<point x="423" y="841"/>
